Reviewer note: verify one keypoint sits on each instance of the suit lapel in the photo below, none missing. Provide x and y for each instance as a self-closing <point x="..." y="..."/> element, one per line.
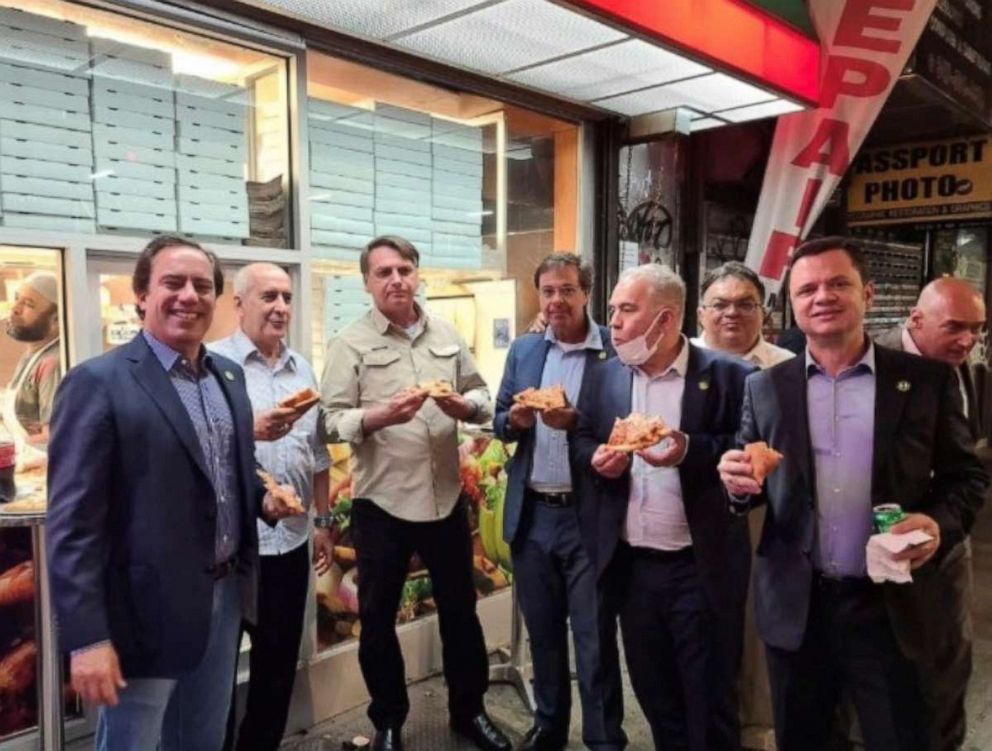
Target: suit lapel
<point x="151" y="376"/>
<point x="890" y="398"/>
<point x="795" y="413"/>
<point x="534" y="367"/>
<point x="697" y="385"/>
<point x="967" y="377"/>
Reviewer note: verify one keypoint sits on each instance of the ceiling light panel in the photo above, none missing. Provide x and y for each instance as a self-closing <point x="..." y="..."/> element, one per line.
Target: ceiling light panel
<point x="509" y="35"/>
<point x="378" y="19"/>
<point x="607" y="71"/>
<point x="758" y="111"/>
<point x="709" y="93"/>
<point x="705" y="123"/>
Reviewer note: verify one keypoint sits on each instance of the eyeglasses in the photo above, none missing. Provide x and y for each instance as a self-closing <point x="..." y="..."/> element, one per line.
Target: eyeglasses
<point x="723" y="306"/>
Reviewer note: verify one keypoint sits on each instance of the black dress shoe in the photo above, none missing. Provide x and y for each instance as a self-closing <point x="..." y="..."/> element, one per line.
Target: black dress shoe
<point x="388" y="739"/>
<point x="482" y="732"/>
<point x="541" y="739"/>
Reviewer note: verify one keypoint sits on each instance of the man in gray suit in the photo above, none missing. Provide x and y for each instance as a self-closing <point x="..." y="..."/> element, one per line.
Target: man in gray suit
<point x="945" y="325"/>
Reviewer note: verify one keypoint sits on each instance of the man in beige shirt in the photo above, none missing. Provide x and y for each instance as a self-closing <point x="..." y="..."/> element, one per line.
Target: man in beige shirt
<point x="405" y="462"/>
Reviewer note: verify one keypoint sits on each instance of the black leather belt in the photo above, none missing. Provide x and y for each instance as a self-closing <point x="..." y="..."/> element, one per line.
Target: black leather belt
<point x="554" y="500"/>
<point x="842" y="584"/>
<point x="224" y="568"/>
<point x="667" y="556"/>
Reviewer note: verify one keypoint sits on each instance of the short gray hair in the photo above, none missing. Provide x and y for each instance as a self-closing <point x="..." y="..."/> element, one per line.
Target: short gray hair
<point x="244" y="279"/>
<point x="665" y="284"/>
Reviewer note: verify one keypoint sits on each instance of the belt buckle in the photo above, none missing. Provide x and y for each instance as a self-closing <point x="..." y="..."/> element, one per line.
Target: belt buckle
<point x="557" y="500"/>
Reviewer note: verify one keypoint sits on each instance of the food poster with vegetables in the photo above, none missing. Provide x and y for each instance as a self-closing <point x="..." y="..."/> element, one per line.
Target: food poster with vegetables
<point x="481" y="467"/>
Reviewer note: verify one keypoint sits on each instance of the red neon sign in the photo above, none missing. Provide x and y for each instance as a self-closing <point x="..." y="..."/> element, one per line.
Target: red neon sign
<point x="729" y="34"/>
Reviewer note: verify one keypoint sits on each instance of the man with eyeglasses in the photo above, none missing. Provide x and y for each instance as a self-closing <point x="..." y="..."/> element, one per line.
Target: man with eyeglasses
<point x="554" y="573"/>
<point x="945" y="324"/>
<point x="731" y="315"/>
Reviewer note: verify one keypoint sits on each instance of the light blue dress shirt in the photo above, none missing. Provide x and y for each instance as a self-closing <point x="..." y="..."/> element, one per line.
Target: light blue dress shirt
<point x="295" y="457"/>
<point x="565" y="365"/>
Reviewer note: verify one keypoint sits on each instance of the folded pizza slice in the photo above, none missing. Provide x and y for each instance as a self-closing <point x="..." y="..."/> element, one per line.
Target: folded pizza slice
<point x="552" y="397"/>
<point x="764" y="459"/>
<point x="281" y="492"/>
<point x="302" y="400"/>
<point x="637" y="432"/>
<point x="437" y="387"/>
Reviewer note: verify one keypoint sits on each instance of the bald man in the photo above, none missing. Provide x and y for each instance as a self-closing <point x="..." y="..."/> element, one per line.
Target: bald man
<point x="286" y="446"/>
<point x="34" y="320"/>
<point x="945" y="325"/>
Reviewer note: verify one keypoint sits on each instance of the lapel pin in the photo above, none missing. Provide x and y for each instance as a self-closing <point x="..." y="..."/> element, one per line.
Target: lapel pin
<point x="229" y="375"/>
<point x="602" y="355"/>
<point x="904" y="386"/>
<point x="704" y="385"/>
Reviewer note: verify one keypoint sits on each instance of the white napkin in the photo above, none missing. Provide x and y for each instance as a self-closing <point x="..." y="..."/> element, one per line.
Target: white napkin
<point x="881" y="548"/>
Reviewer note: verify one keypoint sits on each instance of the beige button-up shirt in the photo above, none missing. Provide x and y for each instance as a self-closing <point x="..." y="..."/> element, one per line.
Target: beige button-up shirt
<point x="764" y="354"/>
<point x="408" y="470"/>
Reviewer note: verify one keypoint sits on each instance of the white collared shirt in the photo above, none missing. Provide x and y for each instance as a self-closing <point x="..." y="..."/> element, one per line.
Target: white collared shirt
<point x="764" y="354"/>
<point x="909" y="345"/>
<point x="655" y="511"/>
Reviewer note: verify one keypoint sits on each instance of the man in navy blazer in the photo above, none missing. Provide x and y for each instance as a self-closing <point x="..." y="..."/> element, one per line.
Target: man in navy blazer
<point x="152" y="544"/>
<point x="554" y="576"/>
<point x="859" y="425"/>
<point x="657" y="522"/>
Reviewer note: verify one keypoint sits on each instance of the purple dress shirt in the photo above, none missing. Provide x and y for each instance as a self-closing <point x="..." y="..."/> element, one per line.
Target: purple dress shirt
<point x="842" y="437"/>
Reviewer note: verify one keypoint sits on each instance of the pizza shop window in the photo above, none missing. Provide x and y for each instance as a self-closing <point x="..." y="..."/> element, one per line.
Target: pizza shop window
<point x="114" y="125"/>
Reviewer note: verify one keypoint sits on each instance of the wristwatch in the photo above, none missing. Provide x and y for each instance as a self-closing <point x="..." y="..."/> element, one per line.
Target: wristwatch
<point x="323" y="521"/>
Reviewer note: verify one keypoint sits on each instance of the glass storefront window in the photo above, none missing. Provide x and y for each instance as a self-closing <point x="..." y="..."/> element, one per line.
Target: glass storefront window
<point x="119" y="322"/>
<point x="115" y="125"/>
<point x="484" y="190"/>
<point x="31" y="366"/>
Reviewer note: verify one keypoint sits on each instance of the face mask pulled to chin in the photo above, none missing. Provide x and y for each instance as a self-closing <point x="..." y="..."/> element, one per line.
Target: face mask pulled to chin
<point x="636" y="351"/>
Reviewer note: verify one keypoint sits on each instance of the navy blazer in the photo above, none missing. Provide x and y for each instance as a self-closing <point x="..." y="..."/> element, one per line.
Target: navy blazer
<point x="524" y="368"/>
<point x="922" y="459"/>
<point x="714" y="384"/>
<point x="132" y="512"/>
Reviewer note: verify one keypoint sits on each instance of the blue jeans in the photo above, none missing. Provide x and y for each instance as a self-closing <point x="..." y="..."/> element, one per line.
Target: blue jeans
<point x="188" y="713"/>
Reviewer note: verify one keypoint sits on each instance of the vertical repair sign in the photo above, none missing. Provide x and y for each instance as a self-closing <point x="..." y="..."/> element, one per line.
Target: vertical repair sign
<point x="922" y="182"/>
<point x="865" y="47"/>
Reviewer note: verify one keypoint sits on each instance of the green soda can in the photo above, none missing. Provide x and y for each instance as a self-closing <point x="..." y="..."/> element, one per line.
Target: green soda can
<point x="886" y="515"/>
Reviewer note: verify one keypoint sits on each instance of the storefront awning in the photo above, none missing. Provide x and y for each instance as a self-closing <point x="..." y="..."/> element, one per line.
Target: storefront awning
<point x="726" y="61"/>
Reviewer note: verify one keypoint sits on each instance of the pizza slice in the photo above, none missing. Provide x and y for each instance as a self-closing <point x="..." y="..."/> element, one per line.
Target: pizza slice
<point x="637" y="432"/>
<point x="437" y="387"/>
<point x="552" y="397"/>
<point x="284" y="494"/>
<point x="302" y="400"/>
<point x="764" y="459"/>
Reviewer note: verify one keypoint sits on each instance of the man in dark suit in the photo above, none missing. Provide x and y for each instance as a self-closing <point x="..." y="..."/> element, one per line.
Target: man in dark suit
<point x="945" y="324"/>
<point x="858" y="425"/>
<point x="657" y="522"/>
<point x="152" y="546"/>
<point x="553" y="574"/>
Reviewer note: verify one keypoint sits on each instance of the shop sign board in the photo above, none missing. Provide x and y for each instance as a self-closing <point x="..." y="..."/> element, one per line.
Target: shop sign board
<point x="866" y="46"/>
<point x="922" y="182"/>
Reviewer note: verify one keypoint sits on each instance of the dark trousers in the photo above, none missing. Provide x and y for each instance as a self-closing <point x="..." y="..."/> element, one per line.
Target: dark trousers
<point x="556" y="586"/>
<point x="848" y="648"/>
<point x="682" y="655"/>
<point x="384" y="545"/>
<point x="275" y="647"/>
<point x="935" y="632"/>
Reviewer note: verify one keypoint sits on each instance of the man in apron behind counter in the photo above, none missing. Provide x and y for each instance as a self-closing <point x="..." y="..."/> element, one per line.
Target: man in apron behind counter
<point x="27" y="399"/>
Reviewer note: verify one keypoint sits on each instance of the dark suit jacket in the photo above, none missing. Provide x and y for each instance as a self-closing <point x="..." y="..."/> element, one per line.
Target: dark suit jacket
<point x="524" y="368"/>
<point x="132" y="512"/>
<point x="923" y="459"/>
<point x="711" y="405"/>
<point x="892" y="338"/>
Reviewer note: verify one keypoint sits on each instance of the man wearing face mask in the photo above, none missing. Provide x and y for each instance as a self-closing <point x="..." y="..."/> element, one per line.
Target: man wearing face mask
<point x="662" y="538"/>
<point x="34" y="320"/>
